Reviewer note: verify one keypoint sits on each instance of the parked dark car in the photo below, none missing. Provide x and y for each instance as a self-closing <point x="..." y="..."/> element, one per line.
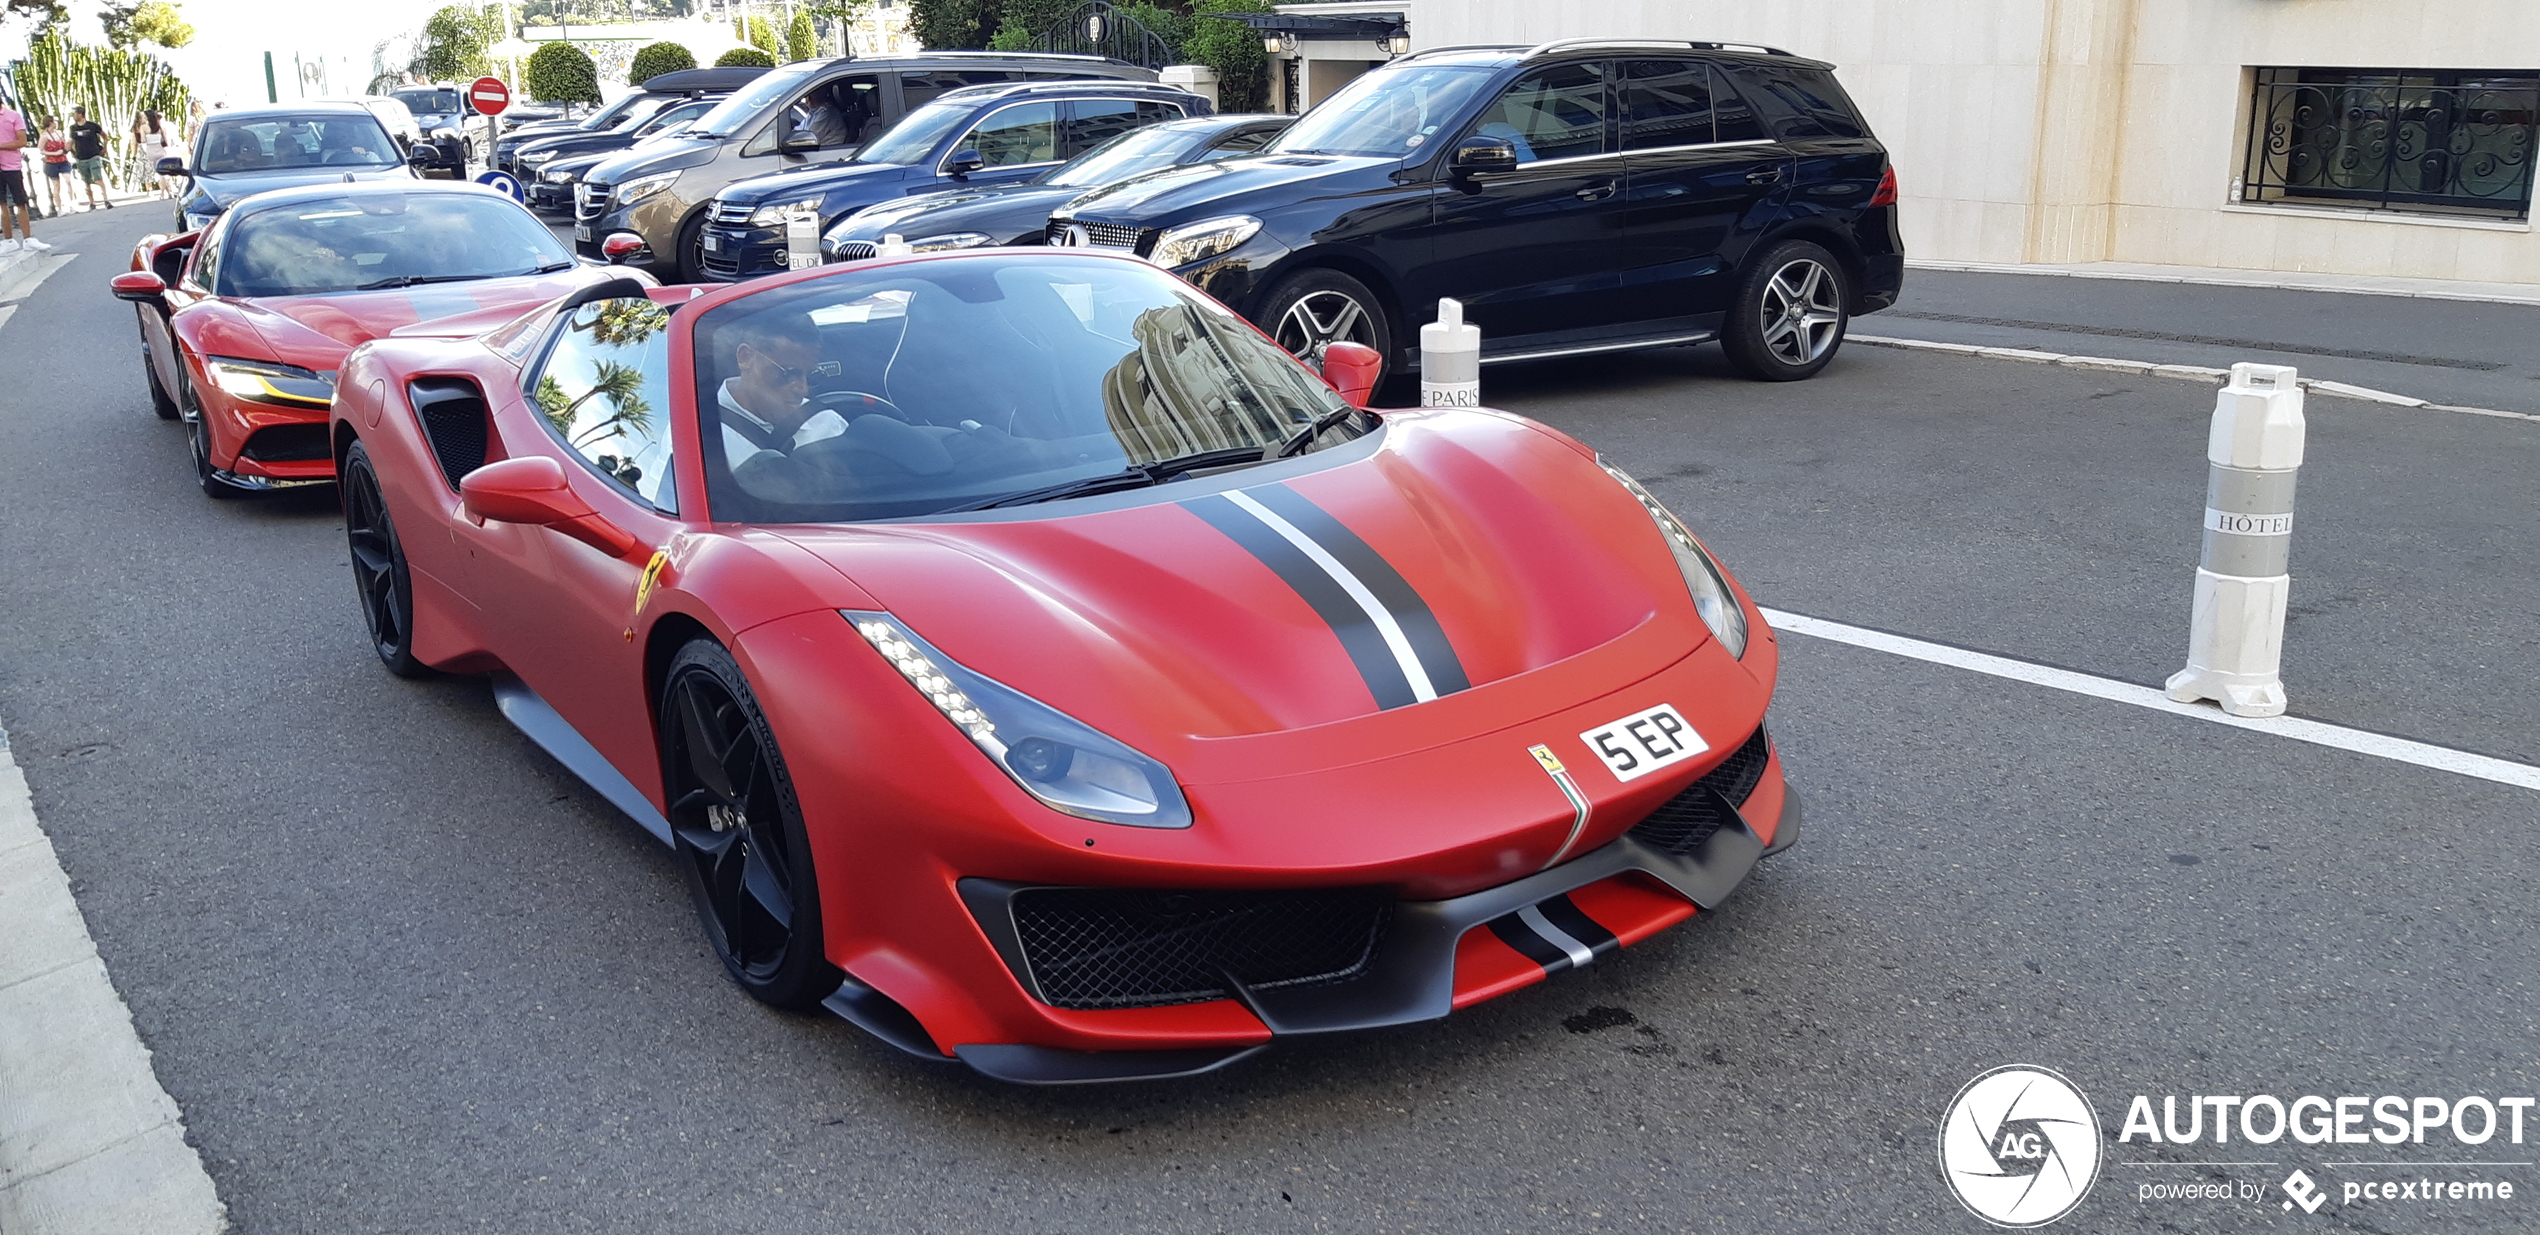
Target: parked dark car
<point x="247" y="150"/>
<point x="442" y="113"/>
<point x="1586" y="195"/>
<point x="1009" y="214"/>
<point x="979" y="136"/>
<point x="659" y="92"/>
<point x="809" y="113"/>
<point x="571" y="154"/>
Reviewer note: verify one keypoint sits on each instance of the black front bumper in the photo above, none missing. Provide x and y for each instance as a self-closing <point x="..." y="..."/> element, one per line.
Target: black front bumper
<point x="736" y="252"/>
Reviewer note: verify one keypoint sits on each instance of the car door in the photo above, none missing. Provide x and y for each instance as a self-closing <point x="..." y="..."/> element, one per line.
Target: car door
<point x="1015" y="142"/>
<point x="1091" y="122"/>
<point x="1538" y="249"/>
<point x="1702" y="183"/>
<point x="597" y="400"/>
<point x="175" y="267"/>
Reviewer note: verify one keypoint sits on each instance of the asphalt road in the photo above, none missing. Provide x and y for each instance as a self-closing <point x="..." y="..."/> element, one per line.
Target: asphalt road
<point x="405" y="974"/>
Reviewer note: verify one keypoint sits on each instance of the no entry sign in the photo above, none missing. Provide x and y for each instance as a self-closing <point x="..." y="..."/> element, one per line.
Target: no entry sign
<point x="489" y="96"/>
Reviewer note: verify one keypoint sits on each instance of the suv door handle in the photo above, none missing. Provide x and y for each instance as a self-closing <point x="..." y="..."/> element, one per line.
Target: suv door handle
<point x="1764" y="175"/>
<point x="1595" y="192"/>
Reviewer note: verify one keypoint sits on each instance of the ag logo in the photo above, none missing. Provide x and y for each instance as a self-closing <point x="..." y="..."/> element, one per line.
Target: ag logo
<point x="2019" y="1146"/>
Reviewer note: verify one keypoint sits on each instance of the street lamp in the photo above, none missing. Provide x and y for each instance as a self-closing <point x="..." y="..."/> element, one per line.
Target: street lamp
<point x="1400" y="43"/>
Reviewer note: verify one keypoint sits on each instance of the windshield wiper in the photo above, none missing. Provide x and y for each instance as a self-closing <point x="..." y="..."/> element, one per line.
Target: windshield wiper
<point x="1305" y="437"/>
<point x="415" y="280"/>
<point x="1137" y="477"/>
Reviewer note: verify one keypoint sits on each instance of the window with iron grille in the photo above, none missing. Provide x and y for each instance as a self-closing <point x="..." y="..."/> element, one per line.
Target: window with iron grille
<point x="2427" y="141"/>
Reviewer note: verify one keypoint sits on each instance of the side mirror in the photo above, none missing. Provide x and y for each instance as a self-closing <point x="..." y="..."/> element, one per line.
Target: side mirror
<point x="1478" y="155"/>
<point x="1351" y="369"/>
<point x="139" y="287"/>
<point x="532" y="489"/>
<point x="174" y="166"/>
<point x="791" y="139"/>
<point x="963" y="162"/>
<point x="424" y="157"/>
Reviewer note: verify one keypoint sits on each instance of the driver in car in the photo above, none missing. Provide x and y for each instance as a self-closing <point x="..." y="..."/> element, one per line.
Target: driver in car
<point x="766" y="410"/>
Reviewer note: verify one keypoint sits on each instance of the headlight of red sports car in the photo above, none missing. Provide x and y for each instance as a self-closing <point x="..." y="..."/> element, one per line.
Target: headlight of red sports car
<point x="1071" y="767"/>
<point x="267" y="381"/>
<point x="1703" y="577"/>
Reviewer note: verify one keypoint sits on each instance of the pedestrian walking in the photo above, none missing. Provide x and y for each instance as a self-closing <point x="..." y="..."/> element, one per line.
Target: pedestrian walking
<point x="57" y="164"/>
<point x="88" y="154"/>
<point x="17" y="210"/>
<point x="150" y="134"/>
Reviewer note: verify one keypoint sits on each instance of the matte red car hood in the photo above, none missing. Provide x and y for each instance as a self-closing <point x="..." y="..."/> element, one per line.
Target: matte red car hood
<point x="1158" y="626"/>
<point x="335" y="323"/>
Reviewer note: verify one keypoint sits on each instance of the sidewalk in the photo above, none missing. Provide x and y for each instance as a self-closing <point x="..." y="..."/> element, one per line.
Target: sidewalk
<point x="18" y="266"/>
<point x="2225" y="276"/>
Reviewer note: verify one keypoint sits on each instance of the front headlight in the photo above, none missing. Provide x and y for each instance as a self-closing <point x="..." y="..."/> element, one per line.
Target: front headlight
<point x="1069" y="766"/>
<point x="1193" y="242"/>
<point x="558" y="176"/>
<point x="266" y="381"/>
<point x="1712" y="597"/>
<point x="955" y="240"/>
<point x="783" y="212"/>
<point x="642" y="187"/>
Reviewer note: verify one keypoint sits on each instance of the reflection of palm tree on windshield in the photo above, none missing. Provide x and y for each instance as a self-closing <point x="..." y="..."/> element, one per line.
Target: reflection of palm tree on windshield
<point x="628" y="322"/>
<point x="630" y="414"/>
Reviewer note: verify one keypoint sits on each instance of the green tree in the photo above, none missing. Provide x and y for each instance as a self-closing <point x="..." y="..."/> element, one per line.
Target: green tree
<point x="454" y="41"/>
<point x="657" y="59"/>
<point x="758" y="33"/>
<point x="745" y="58"/>
<point x="801" y="43"/>
<point x="560" y="72"/>
<point x="1166" y="24"/>
<point x="954" y="25"/>
<point x="1234" y="50"/>
<point x="1010" y="36"/>
<point x="145" y="21"/>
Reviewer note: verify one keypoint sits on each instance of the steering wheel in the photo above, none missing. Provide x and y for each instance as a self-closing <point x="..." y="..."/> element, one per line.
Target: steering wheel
<point x="852" y="403"/>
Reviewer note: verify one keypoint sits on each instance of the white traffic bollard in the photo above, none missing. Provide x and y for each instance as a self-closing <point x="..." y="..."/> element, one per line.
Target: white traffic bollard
<point x="2235" y="642"/>
<point x="802" y="241"/>
<point x="1450" y="359"/>
<point x="893" y="245"/>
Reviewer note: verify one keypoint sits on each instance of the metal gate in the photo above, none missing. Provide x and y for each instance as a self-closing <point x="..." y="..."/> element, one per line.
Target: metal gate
<point x="1098" y="29"/>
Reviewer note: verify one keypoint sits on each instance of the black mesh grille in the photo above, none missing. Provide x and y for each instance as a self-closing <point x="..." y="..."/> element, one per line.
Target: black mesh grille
<point x="453" y="414"/>
<point x="1684" y="821"/>
<point x="723" y="264"/>
<point x="287" y="444"/>
<point x="1129" y="947"/>
<point x="1098" y="235"/>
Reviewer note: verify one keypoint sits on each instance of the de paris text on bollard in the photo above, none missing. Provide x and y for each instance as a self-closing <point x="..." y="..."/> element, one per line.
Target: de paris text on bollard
<point x="2235" y="642"/>
<point x="1450" y="360"/>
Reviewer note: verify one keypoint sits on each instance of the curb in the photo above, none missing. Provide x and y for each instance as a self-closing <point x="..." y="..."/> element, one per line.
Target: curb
<point x="2188" y="372"/>
<point x="2352" y="285"/>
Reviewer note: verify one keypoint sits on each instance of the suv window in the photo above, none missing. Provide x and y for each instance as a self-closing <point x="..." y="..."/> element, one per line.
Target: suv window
<point x="1666" y="103"/>
<point x="917" y="88"/>
<point x="605" y="391"/>
<point x="1015" y="135"/>
<point x="1091" y="122"/>
<point x="839" y="113"/>
<point x="1241" y="141"/>
<point x="1732" y="119"/>
<point x="1557" y="113"/>
<point x="1802" y="103"/>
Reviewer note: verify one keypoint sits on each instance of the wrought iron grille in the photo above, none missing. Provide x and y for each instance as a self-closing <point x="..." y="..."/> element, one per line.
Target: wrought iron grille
<point x="1098" y="29"/>
<point x="2430" y="141"/>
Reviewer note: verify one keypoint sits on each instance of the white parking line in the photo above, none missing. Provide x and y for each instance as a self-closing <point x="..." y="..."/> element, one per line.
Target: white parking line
<point x="2422" y="754"/>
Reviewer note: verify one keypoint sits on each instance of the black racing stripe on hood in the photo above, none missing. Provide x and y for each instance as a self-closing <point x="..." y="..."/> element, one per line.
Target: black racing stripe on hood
<point x="1419" y="624"/>
<point x="1358" y="635"/>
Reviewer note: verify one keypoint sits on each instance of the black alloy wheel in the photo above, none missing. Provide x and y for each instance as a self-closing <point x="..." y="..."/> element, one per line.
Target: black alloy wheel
<point x="1314" y="309"/>
<point x="198" y="438"/>
<point x="160" y="403"/>
<point x="739" y="833"/>
<point x="1792" y="308"/>
<point x="381" y="578"/>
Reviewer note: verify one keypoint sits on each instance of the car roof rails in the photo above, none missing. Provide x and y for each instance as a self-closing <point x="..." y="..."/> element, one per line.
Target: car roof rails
<point x="1015" y="55"/>
<point x="1440" y="51"/>
<point x="1001" y="89"/>
<point x="1558" y="45"/>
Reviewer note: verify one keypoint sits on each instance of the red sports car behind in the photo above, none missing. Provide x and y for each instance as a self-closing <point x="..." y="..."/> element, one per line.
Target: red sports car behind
<point x="245" y="323"/>
<point x="1031" y="662"/>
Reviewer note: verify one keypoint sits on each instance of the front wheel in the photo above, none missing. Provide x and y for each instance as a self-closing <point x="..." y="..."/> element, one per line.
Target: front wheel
<point x="198" y="439"/>
<point x="739" y="832"/>
<point x="1314" y="309"/>
<point x="690" y="251"/>
<point x="1792" y="307"/>
<point x="381" y="578"/>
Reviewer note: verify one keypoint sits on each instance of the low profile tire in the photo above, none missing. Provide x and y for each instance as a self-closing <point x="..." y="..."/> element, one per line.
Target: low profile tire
<point x="381" y="579"/>
<point x="198" y="439"/>
<point x="1792" y="308"/>
<point x="1313" y="309"/>
<point x="739" y="832"/>
<point x="160" y="401"/>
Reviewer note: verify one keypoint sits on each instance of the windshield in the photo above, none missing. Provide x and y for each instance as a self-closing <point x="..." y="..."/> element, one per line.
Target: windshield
<point x="673" y="119"/>
<point x="330" y="140"/>
<point x="914" y="137"/>
<point x="429" y="102"/>
<point x="1138" y="150"/>
<point x="860" y="396"/>
<point x="645" y="106"/>
<point x="728" y="116"/>
<point x="378" y="240"/>
<point x="1388" y="113"/>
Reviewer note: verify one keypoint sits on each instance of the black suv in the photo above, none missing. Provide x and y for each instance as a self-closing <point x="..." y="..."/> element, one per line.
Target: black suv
<point x="805" y="114"/>
<point x="1579" y="196"/>
<point x="978" y="136"/>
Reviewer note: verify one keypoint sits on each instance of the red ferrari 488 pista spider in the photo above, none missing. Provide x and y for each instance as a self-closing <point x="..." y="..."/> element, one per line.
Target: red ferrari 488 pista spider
<point x="245" y="323"/>
<point x="1030" y="661"/>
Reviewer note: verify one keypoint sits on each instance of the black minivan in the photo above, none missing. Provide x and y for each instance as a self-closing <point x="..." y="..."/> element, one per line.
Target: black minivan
<point x="1586" y="195"/>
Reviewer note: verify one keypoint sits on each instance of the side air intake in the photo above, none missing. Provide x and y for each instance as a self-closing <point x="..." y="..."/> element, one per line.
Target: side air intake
<point x="453" y="413"/>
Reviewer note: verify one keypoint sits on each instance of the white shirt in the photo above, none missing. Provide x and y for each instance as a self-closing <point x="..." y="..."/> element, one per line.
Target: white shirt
<point x="738" y="450"/>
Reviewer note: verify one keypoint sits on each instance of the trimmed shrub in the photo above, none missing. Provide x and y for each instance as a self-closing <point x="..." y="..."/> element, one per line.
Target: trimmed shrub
<point x="562" y="73"/>
<point x="745" y="58"/>
<point x="657" y="59"/>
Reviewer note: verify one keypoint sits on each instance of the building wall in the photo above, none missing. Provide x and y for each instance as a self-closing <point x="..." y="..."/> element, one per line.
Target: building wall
<point x="2088" y="130"/>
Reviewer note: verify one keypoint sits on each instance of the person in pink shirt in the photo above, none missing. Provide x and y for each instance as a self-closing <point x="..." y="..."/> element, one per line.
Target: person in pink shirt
<point x="17" y="210"/>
